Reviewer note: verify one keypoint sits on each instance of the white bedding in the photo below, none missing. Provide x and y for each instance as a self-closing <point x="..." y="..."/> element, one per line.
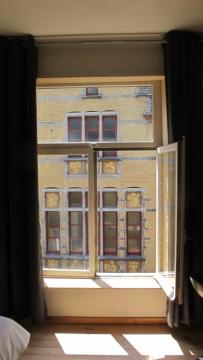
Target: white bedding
<point x="14" y="339"/>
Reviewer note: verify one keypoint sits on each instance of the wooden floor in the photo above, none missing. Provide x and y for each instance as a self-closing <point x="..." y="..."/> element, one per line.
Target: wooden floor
<point x="116" y="342"/>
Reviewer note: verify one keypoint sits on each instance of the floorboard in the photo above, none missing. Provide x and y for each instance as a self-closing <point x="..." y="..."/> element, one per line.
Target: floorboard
<point x="100" y="342"/>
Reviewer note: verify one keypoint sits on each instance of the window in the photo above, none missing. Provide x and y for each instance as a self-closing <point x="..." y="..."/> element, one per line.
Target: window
<point x="109" y="127"/>
<point x="76" y="232"/>
<point x="110" y="232"/>
<point x="91" y="128"/>
<point x="96" y="128"/>
<point x="133" y="221"/>
<point x="107" y="146"/>
<point x="75" y="129"/>
<point x="75" y="199"/>
<point x="78" y="222"/>
<point x="53" y="231"/>
<point x="109" y="199"/>
<point x="91" y="91"/>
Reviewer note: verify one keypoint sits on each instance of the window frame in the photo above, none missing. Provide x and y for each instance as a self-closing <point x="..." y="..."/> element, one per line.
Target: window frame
<point x="91" y="149"/>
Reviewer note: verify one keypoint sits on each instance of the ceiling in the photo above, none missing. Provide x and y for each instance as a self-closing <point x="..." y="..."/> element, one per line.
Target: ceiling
<point x="81" y="17"/>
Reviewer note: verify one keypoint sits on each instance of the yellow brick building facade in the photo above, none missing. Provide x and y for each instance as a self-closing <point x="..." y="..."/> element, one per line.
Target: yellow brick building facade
<point x="126" y="178"/>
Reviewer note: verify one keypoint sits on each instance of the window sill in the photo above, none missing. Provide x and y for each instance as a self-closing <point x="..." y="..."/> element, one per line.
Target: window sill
<point x="104" y="282"/>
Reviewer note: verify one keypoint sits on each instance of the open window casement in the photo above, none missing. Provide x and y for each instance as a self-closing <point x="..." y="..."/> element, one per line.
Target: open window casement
<point x="170" y="218"/>
<point x="170" y="212"/>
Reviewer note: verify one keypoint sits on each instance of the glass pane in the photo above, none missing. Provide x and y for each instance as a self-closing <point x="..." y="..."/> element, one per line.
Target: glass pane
<point x="109" y="122"/>
<point x="131" y="232"/>
<point x="64" y="233"/>
<point x="110" y="232"/>
<point x="53" y="245"/>
<point x="75" y="199"/>
<point x="109" y="199"/>
<point x="110" y="246"/>
<point x="134" y="218"/>
<point x="76" y="232"/>
<point x="109" y="218"/>
<point x="109" y="128"/>
<point x="133" y="246"/>
<point x="167" y="219"/>
<point x="91" y="91"/>
<point x="53" y="231"/>
<point x="123" y="113"/>
<point x="91" y="128"/>
<point x="127" y="234"/>
<point x="74" y="129"/>
<point x="53" y="218"/>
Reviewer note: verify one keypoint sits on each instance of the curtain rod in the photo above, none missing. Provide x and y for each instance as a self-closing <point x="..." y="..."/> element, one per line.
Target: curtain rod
<point x="102" y="38"/>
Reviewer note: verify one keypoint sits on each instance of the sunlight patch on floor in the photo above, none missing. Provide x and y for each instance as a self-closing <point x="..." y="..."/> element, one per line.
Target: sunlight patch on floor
<point x="157" y="346"/>
<point x="90" y="344"/>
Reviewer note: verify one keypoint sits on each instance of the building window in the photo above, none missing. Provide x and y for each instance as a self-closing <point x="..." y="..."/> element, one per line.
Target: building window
<point x="109" y="127"/>
<point x="109" y="199"/>
<point x="134" y="222"/>
<point x="53" y="231"/>
<point x="92" y="91"/>
<point x="91" y="128"/>
<point x="78" y="222"/>
<point x="110" y="232"/>
<point x="75" y="199"/>
<point x="109" y="236"/>
<point x="75" y="129"/>
<point x="76" y="232"/>
<point x="133" y="232"/>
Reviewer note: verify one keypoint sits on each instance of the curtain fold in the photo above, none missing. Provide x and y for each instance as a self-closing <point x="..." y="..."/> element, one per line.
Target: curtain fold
<point x="21" y="285"/>
<point x="183" y="69"/>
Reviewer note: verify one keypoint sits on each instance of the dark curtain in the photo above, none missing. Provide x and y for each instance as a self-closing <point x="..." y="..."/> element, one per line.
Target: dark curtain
<point x="21" y="288"/>
<point x="183" y="68"/>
